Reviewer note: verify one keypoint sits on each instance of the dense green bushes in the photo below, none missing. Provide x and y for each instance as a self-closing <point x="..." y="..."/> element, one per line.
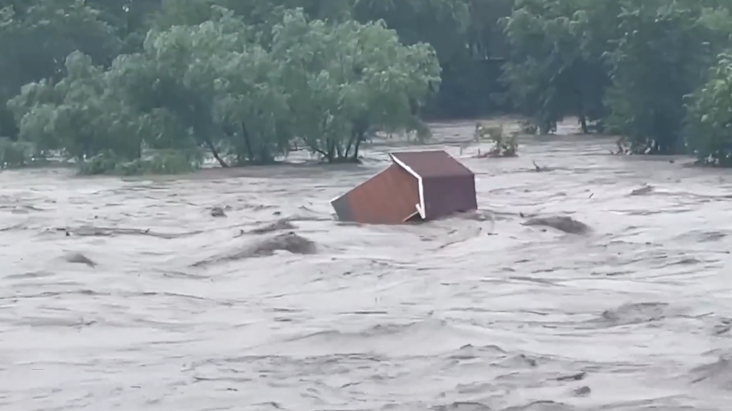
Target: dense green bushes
<point x="156" y="85"/>
<point x="214" y="85"/>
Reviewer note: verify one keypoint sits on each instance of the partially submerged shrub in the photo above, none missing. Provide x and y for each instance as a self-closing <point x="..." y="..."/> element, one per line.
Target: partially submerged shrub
<point x="709" y="119"/>
<point x="528" y="127"/>
<point x="169" y="162"/>
<point x="482" y="131"/>
<point x="504" y="145"/>
<point x="17" y="154"/>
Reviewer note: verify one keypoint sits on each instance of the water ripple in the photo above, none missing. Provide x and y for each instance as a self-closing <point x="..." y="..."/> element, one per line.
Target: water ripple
<point x="130" y="295"/>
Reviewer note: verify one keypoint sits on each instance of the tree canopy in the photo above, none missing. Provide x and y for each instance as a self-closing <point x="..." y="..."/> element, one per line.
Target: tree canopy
<point x="157" y="85"/>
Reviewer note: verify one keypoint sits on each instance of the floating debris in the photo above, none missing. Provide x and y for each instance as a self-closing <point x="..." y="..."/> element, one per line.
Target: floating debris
<point x="94" y="231"/>
<point x="279" y="225"/>
<point x="539" y="168"/>
<point x="583" y="391"/>
<point x="79" y="258"/>
<point x="290" y="242"/>
<point x="643" y="190"/>
<point x="573" y="377"/>
<point x="218" y="212"/>
<point x="561" y="223"/>
<point x="419" y="185"/>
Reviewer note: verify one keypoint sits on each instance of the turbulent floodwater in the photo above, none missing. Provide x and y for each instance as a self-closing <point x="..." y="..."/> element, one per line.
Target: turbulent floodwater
<point x="130" y="295"/>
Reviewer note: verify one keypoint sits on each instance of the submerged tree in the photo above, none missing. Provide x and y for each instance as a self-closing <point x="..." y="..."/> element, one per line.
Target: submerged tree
<point x="212" y="85"/>
<point x="555" y="66"/>
<point x="659" y="57"/>
<point x="85" y="117"/>
<point x="115" y="85"/>
<point x="35" y="38"/>
<point x="223" y="87"/>
<point x="709" y="122"/>
<point x="345" y="80"/>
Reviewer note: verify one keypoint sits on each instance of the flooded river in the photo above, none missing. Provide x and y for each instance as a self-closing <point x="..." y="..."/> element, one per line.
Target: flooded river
<point x="129" y="295"/>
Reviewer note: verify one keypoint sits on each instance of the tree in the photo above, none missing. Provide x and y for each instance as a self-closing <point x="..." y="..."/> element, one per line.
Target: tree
<point x="85" y="116"/>
<point x="205" y="84"/>
<point x="213" y="85"/>
<point x="114" y="86"/>
<point x="348" y="78"/>
<point x="259" y="16"/>
<point x="35" y="38"/>
<point x="709" y="121"/>
<point x="659" y="57"/>
<point x="221" y="85"/>
<point x="555" y="65"/>
<point x="450" y="26"/>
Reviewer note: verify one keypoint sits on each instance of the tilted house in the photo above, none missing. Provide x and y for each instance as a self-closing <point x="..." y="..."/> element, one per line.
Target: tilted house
<point x="418" y="185"/>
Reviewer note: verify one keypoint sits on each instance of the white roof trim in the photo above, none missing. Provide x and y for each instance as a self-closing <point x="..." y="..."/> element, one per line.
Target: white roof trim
<point x="420" y="207"/>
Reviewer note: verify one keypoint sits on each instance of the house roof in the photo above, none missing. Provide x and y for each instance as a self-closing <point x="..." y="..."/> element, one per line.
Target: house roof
<point x="420" y="184"/>
<point x="433" y="163"/>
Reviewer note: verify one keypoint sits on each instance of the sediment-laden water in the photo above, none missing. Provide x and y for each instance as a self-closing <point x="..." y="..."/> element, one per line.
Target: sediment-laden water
<point x="129" y="295"/>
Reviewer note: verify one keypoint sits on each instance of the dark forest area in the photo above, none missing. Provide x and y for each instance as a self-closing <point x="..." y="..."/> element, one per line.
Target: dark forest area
<point x="105" y="83"/>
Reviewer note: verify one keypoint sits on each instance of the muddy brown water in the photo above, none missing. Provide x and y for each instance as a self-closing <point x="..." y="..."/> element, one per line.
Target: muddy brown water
<point x="129" y="295"/>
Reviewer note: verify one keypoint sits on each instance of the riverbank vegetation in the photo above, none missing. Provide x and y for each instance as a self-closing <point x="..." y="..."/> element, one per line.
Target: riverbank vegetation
<point x="142" y="86"/>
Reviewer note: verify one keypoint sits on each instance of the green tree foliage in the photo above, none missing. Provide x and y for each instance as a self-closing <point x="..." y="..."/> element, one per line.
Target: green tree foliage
<point x="628" y="63"/>
<point x="35" y="38"/>
<point x="213" y="85"/>
<point x="462" y="33"/>
<point x="709" y="123"/>
<point x="86" y="117"/>
<point x="659" y="57"/>
<point x="346" y="79"/>
<point x="555" y="66"/>
<point x="138" y="86"/>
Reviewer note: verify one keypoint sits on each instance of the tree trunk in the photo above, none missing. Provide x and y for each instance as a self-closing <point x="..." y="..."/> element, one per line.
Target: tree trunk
<point x="581" y="112"/>
<point x="583" y="124"/>
<point x="359" y="139"/>
<point x="331" y="148"/>
<point x="247" y="142"/>
<point x="339" y="151"/>
<point x="215" y="153"/>
<point x="350" y="144"/>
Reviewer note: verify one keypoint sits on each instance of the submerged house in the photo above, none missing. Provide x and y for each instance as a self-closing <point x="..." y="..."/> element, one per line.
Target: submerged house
<point x="418" y="185"/>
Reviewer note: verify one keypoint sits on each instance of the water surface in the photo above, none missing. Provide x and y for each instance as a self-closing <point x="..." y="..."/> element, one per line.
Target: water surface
<point x="170" y="312"/>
